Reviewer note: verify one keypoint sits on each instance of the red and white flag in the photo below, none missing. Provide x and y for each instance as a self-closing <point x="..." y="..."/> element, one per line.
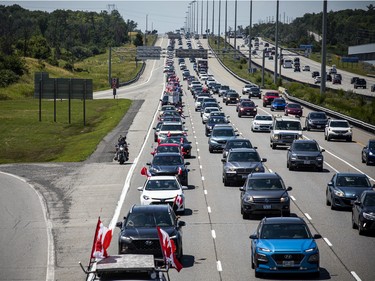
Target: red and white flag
<point x="178" y="201"/>
<point x="179" y="171"/>
<point x="145" y="172"/>
<point x="102" y="240"/>
<point x="169" y="249"/>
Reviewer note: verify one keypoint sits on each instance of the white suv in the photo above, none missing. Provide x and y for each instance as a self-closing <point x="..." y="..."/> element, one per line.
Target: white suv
<point x="338" y="129"/>
<point x="284" y="131"/>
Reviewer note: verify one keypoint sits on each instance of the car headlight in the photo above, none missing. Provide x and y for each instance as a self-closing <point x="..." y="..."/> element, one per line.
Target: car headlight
<point x="370" y="153"/>
<point x="294" y="156"/>
<point x="339" y="193"/>
<point x="314" y="258"/>
<point x="248" y="199"/>
<point x="230" y="169"/>
<point x="126" y="239"/>
<point x="209" y="127"/>
<point x="310" y="250"/>
<point x="275" y="136"/>
<point x="284" y="199"/>
<point x="254" y="109"/>
<point x="146" y="197"/>
<point x="319" y="158"/>
<point x="369" y="216"/>
<point x="264" y="250"/>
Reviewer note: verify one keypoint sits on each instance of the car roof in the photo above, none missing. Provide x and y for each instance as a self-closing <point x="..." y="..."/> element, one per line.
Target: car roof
<point x="168" y="154"/>
<point x="264" y="176"/>
<point x="223" y="126"/>
<point x="243" y="149"/>
<point x="239" y="140"/>
<point x="162" y="178"/>
<point x="351" y="174"/>
<point x="149" y="208"/>
<point x="284" y="220"/>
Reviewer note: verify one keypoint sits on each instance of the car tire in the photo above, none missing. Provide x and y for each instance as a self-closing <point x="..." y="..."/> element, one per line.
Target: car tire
<point x="258" y="274"/>
<point x="361" y="231"/>
<point x="320" y="169"/>
<point x="245" y="216"/>
<point x="349" y="139"/>
<point x="333" y="207"/>
<point x="273" y="146"/>
<point x="264" y="105"/>
<point x="328" y="138"/>
<point x="252" y="262"/>
<point x="239" y="115"/>
<point x="308" y="128"/>
<point x="210" y="149"/>
<point x="328" y="203"/>
<point x="226" y="182"/>
<point x="363" y="160"/>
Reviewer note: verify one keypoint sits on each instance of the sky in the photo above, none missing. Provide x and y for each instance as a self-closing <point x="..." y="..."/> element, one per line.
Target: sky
<point x="165" y="16"/>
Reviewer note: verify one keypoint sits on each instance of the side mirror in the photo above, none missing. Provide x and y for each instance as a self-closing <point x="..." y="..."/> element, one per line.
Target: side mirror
<point x="223" y="160"/>
<point x="237" y="135"/>
<point x="357" y="203"/>
<point x="317" y="236"/>
<point x="187" y="163"/>
<point x="330" y="183"/>
<point x="253" y="236"/>
<point x="322" y="150"/>
<point x="255" y="147"/>
<point x="242" y="188"/>
<point x="263" y="160"/>
<point x="119" y="224"/>
<point x="184" y="187"/>
<point x="140" y="188"/>
<point x="289" y="188"/>
<point x="148" y="163"/>
<point x="181" y="223"/>
<point x="304" y="128"/>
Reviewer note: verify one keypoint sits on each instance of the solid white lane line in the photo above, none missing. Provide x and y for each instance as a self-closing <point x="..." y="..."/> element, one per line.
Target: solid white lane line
<point x="331" y="167"/>
<point x="218" y="265"/>
<point x="355" y="276"/>
<point x="308" y="216"/>
<point x="205" y="192"/>
<point x="327" y="241"/>
<point x="213" y="233"/>
<point x="202" y="178"/>
<point x="291" y="196"/>
<point x="200" y="167"/>
<point x="209" y="209"/>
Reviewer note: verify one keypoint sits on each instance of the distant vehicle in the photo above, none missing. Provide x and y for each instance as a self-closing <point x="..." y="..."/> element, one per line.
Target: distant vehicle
<point x="314" y="74"/>
<point x="353" y="80"/>
<point x="317" y="80"/>
<point x="293" y="109"/>
<point x="262" y="123"/>
<point x="368" y="152"/>
<point x="333" y="70"/>
<point x="297" y="68"/>
<point x="338" y="129"/>
<point x="305" y="153"/>
<point x="373" y="88"/>
<point x="269" y="96"/>
<point x="360" y="83"/>
<point x="288" y="63"/>
<point x="316" y="120"/>
<point x="284" y="131"/>
<point x="306" y="68"/>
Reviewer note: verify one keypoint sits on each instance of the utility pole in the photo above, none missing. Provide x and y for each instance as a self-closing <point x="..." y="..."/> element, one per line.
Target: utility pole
<point x="235" y="27"/>
<point x="202" y="18"/>
<point x="251" y="15"/>
<point x="207" y="19"/>
<point x="277" y="42"/>
<point x="324" y="50"/>
<point x="218" y="32"/>
<point x="226" y="24"/>
<point x="213" y="17"/>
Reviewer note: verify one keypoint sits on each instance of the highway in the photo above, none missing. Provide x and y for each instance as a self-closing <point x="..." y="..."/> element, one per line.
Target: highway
<point x="216" y="238"/>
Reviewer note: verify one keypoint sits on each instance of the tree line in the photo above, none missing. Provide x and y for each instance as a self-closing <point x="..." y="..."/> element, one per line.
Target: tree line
<point x="344" y="28"/>
<point x="62" y="35"/>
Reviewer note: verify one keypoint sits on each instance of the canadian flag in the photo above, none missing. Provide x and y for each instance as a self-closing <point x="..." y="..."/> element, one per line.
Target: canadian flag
<point x="178" y="201"/>
<point x="169" y="249"/>
<point x="179" y="171"/>
<point x="145" y="172"/>
<point x="102" y="240"/>
<point x="169" y="134"/>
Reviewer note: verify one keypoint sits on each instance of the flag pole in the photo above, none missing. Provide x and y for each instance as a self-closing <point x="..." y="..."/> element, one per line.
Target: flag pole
<point x="93" y="243"/>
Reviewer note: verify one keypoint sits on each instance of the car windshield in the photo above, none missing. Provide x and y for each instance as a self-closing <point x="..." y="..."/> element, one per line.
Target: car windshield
<point x="353" y="181"/>
<point x="238" y="144"/>
<point x="371" y="145"/>
<point x="318" y="116"/>
<point x="243" y="157"/>
<point x="178" y="139"/>
<point x="280" y="101"/>
<point x="210" y="109"/>
<point x="288" y="125"/>
<point x="223" y="133"/>
<point x="294" y="105"/>
<point x="216" y="120"/>
<point x="369" y="200"/>
<point x="305" y="146"/>
<point x="248" y="104"/>
<point x="285" y="231"/>
<point x="217" y="113"/>
<point x="342" y="124"/>
<point x="149" y="219"/>
<point x="162" y="185"/>
<point x="263" y="117"/>
<point x="224" y="88"/>
<point x="167" y="160"/>
<point x="168" y="148"/>
<point x="264" y="184"/>
<point x="169" y="127"/>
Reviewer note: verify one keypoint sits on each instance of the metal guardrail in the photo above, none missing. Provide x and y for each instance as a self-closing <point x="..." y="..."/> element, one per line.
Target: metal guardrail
<point x="355" y="122"/>
<point x="136" y="78"/>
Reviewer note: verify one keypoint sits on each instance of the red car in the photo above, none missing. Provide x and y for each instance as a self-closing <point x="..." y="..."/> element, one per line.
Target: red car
<point x="167" y="147"/>
<point x="247" y="108"/>
<point x="269" y="96"/>
<point x="293" y="109"/>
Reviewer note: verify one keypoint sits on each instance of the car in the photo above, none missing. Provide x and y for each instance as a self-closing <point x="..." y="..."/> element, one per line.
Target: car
<point x="344" y="188"/>
<point x="231" y="97"/>
<point x="306" y="68"/>
<point x="336" y="80"/>
<point x="363" y="212"/>
<point x="269" y="96"/>
<point x="212" y="121"/>
<point x="284" y="245"/>
<point x="236" y="143"/>
<point x="169" y="129"/>
<point x="255" y="92"/>
<point x="220" y="134"/>
<point x="284" y="131"/>
<point x="264" y="193"/>
<point x="297" y="68"/>
<point x="352" y="81"/>
<point x="247" y="108"/>
<point x="373" y="88"/>
<point x="223" y="89"/>
<point x="209" y="104"/>
<point x="138" y="232"/>
<point x="360" y="83"/>
<point x="169" y="164"/>
<point x="169" y="113"/>
<point x="305" y="153"/>
<point x="293" y="109"/>
<point x="224" y="96"/>
<point x="328" y="77"/>
<point x="206" y="113"/>
<point x="167" y="147"/>
<point x="317" y="80"/>
<point x="315" y="74"/>
<point x="338" y="129"/>
<point x="246" y="89"/>
<point x="215" y="88"/>
<point x="239" y="163"/>
<point x="182" y="141"/>
<point x="368" y="152"/>
<point x="278" y="104"/>
<point x="262" y="123"/>
<point x="165" y="108"/>
<point x="316" y="120"/>
<point x="163" y="190"/>
<point x="199" y="100"/>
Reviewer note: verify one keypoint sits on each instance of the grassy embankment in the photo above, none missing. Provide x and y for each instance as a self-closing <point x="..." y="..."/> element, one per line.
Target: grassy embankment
<point x="24" y="139"/>
<point x="347" y="103"/>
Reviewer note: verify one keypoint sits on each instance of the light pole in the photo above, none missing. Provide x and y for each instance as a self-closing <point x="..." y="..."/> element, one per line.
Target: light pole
<point x="324" y="42"/>
<point x="193" y="2"/>
<point x="202" y="18"/>
<point x="277" y="41"/>
<point x="197" y="16"/>
<point x="251" y="15"/>
<point x="226" y="24"/>
<point x="218" y="32"/>
<point x="235" y="27"/>
<point x="207" y="19"/>
<point x="213" y="17"/>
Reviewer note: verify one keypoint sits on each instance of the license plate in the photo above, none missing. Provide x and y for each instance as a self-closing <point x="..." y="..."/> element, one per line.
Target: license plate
<point x="306" y="162"/>
<point x="247" y="113"/>
<point x="288" y="263"/>
<point x="318" y="126"/>
<point x="267" y="206"/>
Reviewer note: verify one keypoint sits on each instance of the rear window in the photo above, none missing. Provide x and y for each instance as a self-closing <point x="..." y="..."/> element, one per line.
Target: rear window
<point x="223" y="132"/>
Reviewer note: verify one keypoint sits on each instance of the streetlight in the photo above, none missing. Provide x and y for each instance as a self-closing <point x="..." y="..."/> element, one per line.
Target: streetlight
<point x="218" y="32"/>
<point x="251" y="15"/>
<point x="202" y="18"/>
<point x="235" y="27"/>
<point x="277" y="41"/>
<point x="213" y="17"/>
<point x="197" y="16"/>
<point x="324" y="50"/>
<point x="226" y="24"/>
<point x="207" y="19"/>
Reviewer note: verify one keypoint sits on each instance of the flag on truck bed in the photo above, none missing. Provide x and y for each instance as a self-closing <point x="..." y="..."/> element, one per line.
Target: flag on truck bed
<point x="102" y="240"/>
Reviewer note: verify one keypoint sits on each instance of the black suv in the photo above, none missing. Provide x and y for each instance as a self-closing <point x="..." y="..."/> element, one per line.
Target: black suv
<point x="305" y="153"/>
<point x="139" y="235"/>
<point x="239" y="163"/>
<point x="264" y="193"/>
<point x="360" y="83"/>
<point x="220" y="134"/>
<point x="232" y="97"/>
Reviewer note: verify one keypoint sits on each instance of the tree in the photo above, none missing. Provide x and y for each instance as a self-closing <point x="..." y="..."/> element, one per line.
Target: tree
<point x="138" y="41"/>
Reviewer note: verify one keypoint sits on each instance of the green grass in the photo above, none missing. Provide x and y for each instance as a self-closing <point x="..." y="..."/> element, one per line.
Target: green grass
<point x="24" y="139"/>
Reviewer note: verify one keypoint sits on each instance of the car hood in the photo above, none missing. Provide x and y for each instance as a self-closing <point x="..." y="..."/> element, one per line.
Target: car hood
<point x="356" y="191"/>
<point x="287" y="245"/>
<point x="263" y="122"/>
<point x="243" y="164"/>
<point x="145" y="232"/>
<point x="287" y="132"/>
<point x="266" y="193"/>
<point x="166" y="169"/>
<point x="307" y="153"/>
<point x="222" y="138"/>
<point x="319" y="120"/>
<point x="162" y="194"/>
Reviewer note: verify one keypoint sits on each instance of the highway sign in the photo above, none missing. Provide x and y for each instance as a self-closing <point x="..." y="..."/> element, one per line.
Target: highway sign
<point x="148" y="52"/>
<point x="191" y="53"/>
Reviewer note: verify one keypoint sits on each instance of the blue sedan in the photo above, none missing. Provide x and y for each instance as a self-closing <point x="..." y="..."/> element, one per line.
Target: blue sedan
<point x="284" y="245"/>
<point x="278" y="104"/>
